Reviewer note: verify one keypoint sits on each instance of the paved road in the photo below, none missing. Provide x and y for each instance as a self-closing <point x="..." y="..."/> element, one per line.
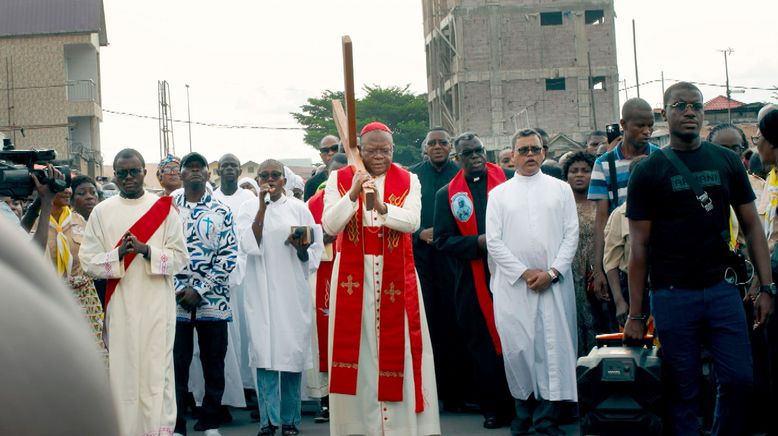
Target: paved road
<point x="451" y="424"/>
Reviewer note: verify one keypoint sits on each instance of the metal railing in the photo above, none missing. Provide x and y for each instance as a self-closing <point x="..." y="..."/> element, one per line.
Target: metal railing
<point x="81" y="90"/>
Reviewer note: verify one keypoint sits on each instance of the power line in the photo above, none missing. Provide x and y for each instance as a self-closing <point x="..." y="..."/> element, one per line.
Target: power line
<point x="719" y="85"/>
<point x="204" y="124"/>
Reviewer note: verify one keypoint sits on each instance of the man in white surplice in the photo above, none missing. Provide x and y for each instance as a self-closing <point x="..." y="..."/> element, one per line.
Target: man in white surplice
<point x="141" y="314"/>
<point x="277" y="296"/>
<point x="532" y="236"/>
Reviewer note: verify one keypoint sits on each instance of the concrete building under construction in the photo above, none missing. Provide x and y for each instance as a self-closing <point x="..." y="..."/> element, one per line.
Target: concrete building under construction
<point x="496" y="66"/>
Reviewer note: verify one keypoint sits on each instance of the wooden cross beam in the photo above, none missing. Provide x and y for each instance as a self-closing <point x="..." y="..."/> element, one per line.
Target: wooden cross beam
<point x="346" y="121"/>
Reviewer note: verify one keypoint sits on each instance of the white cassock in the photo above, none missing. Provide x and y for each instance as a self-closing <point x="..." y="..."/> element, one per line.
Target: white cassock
<point x="362" y="413"/>
<point x="531" y="222"/>
<point x="141" y="316"/>
<point x="277" y="295"/>
<point x="317" y="382"/>
<point x="233" y="374"/>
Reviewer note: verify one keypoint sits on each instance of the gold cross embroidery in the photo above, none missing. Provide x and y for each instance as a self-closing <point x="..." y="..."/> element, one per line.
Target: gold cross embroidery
<point x="391" y="292"/>
<point x="349" y="285"/>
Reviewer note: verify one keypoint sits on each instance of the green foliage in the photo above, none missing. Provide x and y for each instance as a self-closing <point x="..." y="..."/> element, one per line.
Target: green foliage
<point x="404" y="113"/>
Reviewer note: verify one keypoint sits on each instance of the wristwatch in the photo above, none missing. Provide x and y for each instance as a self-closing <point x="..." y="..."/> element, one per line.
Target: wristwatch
<point x="554" y="276"/>
<point x="769" y="289"/>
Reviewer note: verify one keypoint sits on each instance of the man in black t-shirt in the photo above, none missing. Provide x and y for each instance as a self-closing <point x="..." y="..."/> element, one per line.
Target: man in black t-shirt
<point x="682" y="246"/>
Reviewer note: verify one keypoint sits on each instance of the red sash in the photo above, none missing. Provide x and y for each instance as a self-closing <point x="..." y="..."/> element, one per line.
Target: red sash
<point x="397" y="298"/>
<point x="462" y="207"/>
<point x="323" y="277"/>
<point x="143" y="229"/>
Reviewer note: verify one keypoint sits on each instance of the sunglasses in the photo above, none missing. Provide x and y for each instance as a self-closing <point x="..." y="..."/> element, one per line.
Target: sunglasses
<point x="526" y="150"/>
<point x="682" y="106"/>
<point x="132" y="172"/>
<point x="275" y="175"/>
<point x="169" y="170"/>
<point x="333" y="149"/>
<point x="433" y="142"/>
<point x="471" y="151"/>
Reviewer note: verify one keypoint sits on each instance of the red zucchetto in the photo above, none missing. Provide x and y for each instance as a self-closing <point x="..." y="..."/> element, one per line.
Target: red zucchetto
<point x="375" y="125"/>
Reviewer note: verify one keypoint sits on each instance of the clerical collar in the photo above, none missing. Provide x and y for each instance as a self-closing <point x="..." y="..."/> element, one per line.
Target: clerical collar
<point x="476" y="178"/>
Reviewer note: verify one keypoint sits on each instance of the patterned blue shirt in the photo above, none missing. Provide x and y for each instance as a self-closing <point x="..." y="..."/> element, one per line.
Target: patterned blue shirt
<point x="600" y="184"/>
<point x="213" y="252"/>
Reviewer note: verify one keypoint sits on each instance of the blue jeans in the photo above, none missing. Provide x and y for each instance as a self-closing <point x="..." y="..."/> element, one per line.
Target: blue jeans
<point x="688" y="319"/>
<point x="278" y="404"/>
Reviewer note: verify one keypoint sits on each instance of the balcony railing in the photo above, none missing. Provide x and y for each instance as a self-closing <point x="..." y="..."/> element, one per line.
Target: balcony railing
<point x="82" y="90"/>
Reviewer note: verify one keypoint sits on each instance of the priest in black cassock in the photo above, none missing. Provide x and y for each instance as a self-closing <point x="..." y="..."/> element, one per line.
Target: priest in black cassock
<point x="459" y="229"/>
<point x="433" y="269"/>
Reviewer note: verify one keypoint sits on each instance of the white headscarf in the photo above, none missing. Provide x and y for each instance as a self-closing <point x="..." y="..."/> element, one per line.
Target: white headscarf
<point x="292" y="181"/>
<point x="251" y="182"/>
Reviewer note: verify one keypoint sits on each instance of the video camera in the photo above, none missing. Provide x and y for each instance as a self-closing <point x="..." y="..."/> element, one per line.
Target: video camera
<point x="16" y="167"/>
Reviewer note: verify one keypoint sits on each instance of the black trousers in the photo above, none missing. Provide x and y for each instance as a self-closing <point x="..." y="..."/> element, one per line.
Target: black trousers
<point x="212" y="338"/>
<point x="494" y="396"/>
<point x="437" y="288"/>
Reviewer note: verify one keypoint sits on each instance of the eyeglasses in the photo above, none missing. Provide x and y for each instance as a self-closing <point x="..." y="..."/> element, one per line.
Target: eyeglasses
<point x="275" y="175"/>
<point x="526" y="150"/>
<point x="755" y="139"/>
<point x="682" y="106"/>
<point x="377" y="151"/>
<point x="471" y="151"/>
<point x="132" y="172"/>
<point x="433" y="142"/>
<point x="169" y="170"/>
<point x="331" y="149"/>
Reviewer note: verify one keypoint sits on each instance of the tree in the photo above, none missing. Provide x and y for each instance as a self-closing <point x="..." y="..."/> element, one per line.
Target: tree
<point x="405" y="113"/>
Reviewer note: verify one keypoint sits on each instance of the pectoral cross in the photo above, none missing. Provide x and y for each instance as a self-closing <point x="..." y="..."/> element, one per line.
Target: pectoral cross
<point x="349" y="285"/>
<point x="391" y="292"/>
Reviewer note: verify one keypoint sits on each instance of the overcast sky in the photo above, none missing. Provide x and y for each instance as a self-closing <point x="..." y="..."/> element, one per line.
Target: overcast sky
<point x="253" y="62"/>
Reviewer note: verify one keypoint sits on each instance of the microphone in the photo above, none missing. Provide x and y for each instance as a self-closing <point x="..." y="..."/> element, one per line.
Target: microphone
<point x="267" y="201"/>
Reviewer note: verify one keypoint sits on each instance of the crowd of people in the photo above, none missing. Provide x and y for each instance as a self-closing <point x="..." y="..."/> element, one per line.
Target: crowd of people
<point x="388" y="293"/>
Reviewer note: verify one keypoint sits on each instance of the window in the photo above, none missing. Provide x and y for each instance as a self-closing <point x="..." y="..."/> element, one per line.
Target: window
<point x="555" y="84"/>
<point x="250" y="170"/>
<point x="596" y="16"/>
<point x="551" y="18"/>
<point x="598" y="83"/>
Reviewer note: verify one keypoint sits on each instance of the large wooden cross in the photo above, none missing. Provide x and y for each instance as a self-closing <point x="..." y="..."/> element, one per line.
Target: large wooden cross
<point x="346" y="121"/>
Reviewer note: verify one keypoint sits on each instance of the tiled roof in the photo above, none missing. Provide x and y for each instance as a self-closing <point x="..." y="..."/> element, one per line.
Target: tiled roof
<point x="51" y="17"/>
<point x="721" y="103"/>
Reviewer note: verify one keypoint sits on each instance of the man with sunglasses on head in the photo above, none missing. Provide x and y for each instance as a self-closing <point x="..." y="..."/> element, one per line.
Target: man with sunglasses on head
<point x="328" y="147"/>
<point x="434" y="270"/>
<point x="678" y="210"/>
<point x="136" y="241"/>
<point x="460" y="209"/>
<point x="531" y="238"/>
<point x="169" y="174"/>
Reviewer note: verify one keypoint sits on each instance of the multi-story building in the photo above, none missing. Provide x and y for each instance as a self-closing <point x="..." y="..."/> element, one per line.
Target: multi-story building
<point x="496" y="66"/>
<point x="50" y="77"/>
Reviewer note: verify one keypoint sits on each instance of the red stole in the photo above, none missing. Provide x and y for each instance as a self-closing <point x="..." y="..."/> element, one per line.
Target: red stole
<point x="323" y="277"/>
<point x="143" y="229"/>
<point x="399" y="297"/>
<point x="462" y="207"/>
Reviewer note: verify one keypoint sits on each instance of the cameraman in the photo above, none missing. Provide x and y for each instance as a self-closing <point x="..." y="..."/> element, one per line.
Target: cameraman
<point x="27" y="220"/>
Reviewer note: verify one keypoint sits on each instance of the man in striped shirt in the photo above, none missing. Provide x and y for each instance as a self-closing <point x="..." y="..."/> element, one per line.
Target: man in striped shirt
<point x="637" y="123"/>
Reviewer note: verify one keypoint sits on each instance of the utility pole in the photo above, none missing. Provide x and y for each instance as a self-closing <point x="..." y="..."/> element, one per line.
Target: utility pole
<point x="635" y="51"/>
<point x="663" y="83"/>
<point x="189" y="117"/>
<point x="591" y="89"/>
<point x="728" y="51"/>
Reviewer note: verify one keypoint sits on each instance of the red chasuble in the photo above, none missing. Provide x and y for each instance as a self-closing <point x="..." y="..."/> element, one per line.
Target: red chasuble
<point x="462" y="207"/>
<point x="323" y="277"/>
<point x="143" y="229"/>
<point x="398" y="299"/>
